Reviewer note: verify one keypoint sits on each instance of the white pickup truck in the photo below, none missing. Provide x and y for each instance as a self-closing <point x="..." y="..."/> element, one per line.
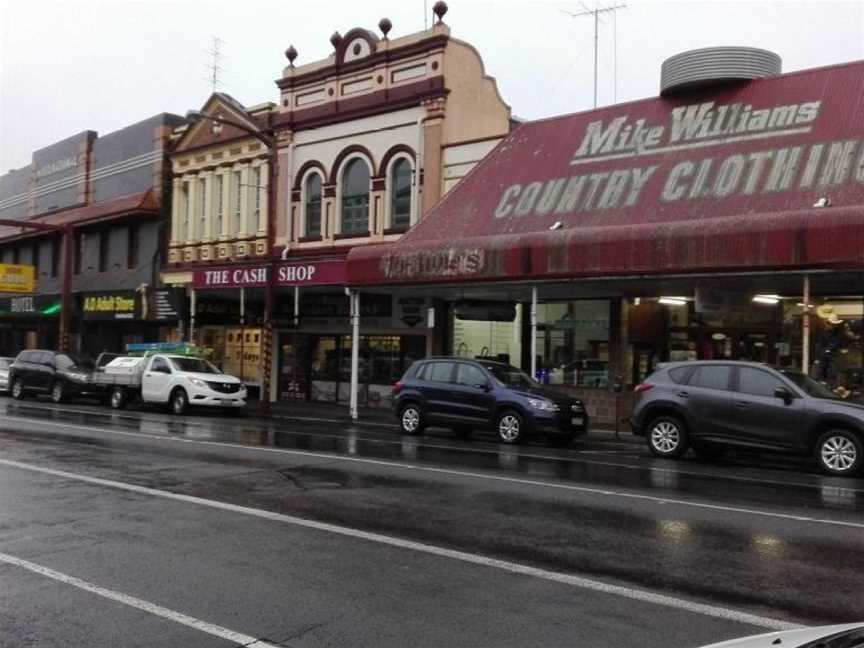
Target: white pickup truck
<point x="177" y="380"/>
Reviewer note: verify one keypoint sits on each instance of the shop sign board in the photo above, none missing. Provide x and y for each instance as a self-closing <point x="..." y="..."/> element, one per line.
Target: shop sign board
<point x="17" y="278"/>
<point x="306" y="273"/>
<point x="168" y="304"/>
<point x="114" y="305"/>
<point x="764" y="174"/>
<point x="31" y="306"/>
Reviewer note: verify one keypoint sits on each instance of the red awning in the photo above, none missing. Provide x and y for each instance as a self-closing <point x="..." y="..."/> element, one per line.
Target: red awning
<point x="726" y="180"/>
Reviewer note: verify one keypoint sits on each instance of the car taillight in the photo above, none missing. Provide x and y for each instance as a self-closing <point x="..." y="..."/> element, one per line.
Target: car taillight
<point x="397" y="387"/>
<point x="642" y="387"/>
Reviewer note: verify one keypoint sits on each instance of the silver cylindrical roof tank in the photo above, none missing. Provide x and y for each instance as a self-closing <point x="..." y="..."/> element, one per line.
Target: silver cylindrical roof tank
<point x="703" y="67"/>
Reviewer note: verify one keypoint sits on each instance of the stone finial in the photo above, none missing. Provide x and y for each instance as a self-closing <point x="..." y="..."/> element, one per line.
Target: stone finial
<point x="439" y="9"/>
<point x="335" y="39"/>
<point x="385" y="26"/>
<point x="291" y="54"/>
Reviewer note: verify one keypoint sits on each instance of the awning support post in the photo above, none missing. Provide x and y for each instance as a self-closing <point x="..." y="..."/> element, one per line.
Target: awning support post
<point x="533" y="331"/>
<point x="192" y="305"/>
<point x="296" y="305"/>
<point x="355" y="350"/>
<point x="805" y="329"/>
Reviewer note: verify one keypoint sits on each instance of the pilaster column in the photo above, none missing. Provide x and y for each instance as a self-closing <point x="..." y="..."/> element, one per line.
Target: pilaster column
<point x="210" y="206"/>
<point x="262" y="214"/>
<point x="191" y="207"/>
<point x="433" y="139"/>
<point x="176" y="206"/>
<point x="245" y="181"/>
<point x="226" y="203"/>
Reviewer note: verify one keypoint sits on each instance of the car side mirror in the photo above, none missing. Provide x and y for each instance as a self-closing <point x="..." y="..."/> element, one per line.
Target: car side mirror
<point x="784" y="394"/>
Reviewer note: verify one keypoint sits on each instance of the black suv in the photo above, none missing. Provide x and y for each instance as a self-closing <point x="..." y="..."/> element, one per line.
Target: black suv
<point x="60" y="375"/>
<point x="712" y="405"/>
<point x="465" y="395"/>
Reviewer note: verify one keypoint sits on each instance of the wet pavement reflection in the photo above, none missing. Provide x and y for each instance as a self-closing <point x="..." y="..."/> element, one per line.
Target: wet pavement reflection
<point x="742" y="480"/>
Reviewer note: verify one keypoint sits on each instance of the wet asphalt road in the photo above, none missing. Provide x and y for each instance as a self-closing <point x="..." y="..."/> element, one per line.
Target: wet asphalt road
<point x="767" y="537"/>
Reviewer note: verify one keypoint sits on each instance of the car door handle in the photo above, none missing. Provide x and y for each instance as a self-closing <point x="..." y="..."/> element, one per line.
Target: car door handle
<point x="683" y="394"/>
<point x="742" y="404"/>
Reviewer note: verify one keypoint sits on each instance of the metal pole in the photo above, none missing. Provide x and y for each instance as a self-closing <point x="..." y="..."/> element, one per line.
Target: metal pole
<point x="596" y="17"/>
<point x="65" y="333"/>
<point x="192" y="307"/>
<point x="534" y="331"/>
<point x="242" y="375"/>
<point x="805" y="329"/>
<point x="296" y="305"/>
<point x="269" y="296"/>
<point x="355" y="351"/>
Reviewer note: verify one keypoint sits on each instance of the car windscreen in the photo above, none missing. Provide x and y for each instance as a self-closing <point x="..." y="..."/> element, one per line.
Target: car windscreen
<point x="4" y="363"/>
<point x="511" y="376"/>
<point x="195" y="365"/>
<point x="810" y="386"/>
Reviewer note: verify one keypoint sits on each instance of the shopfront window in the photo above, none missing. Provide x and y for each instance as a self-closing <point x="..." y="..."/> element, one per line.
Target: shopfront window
<point x="489" y="331"/>
<point x="573" y="343"/>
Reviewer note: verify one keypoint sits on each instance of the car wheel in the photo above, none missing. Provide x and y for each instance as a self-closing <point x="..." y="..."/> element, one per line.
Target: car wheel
<point x="179" y="402"/>
<point x="411" y="419"/>
<point x="18" y="389"/>
<point x="667" y="437"/>
<point x="118" y="399"/>
<point x="58" y="392"/>
<point x="840" y="452"/>
<point x="708" y="451"/>
<point x="510" y="427"/>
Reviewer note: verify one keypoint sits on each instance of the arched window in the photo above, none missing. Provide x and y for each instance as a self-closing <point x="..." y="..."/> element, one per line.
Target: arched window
<point x="400" y="194"/>
<point x="313" y="205"/>
<point x="355" y="197"/>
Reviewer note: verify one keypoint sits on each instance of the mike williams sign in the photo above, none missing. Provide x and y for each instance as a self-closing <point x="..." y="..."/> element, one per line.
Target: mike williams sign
<point x="119" y="305"/>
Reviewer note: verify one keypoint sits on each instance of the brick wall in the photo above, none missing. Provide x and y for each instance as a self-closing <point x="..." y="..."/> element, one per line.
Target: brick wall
<point x="600" y="404"/>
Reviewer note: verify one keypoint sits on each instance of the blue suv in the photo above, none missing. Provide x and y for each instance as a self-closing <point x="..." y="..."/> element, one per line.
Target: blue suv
<point x="465" y="395"/>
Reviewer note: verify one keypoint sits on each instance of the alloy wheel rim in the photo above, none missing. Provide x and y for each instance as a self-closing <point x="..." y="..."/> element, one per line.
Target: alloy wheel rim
<point x="179" y="402"/>
<point x="17" y="389"/>
<point x="410" y="419"/>
<point x="508" y="428"/>
<point x="665" y="436"/>
<point x="839" y="453"/>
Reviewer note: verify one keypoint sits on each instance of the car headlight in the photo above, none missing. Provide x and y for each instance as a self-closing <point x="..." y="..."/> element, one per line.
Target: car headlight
<point x="197" y="382"/>
<point x="544" y="405"/>
<point x="80" y="377"/>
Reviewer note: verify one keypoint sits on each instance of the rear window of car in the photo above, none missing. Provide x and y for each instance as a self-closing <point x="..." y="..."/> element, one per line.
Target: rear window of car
<point x="711" y="377"/>
<point x="679" y="374"/>
<point x="439" y="372"/>
<point x="25" y="356"/>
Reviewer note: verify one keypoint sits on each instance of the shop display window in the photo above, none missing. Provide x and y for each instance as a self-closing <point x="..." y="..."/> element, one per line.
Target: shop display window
<point x="573" y="343"/>
<point x="495" y="340"/>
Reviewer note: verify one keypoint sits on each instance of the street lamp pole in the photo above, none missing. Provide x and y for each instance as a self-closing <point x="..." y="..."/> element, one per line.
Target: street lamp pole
<point x="64" y="342"/>
<point x="268" y="138"/>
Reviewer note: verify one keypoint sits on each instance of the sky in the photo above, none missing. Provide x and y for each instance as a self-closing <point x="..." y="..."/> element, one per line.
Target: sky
<point x="101" y="65"/>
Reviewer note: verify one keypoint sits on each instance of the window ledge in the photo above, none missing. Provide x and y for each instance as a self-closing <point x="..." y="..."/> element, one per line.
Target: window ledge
<point x="350" y="235"/>
<point x="309" y="239"/>
<point x="396" y="230"/>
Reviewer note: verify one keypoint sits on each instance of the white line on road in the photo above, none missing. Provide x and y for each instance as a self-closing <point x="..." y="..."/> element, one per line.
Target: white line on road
<point x="646" y="596"/>
<point x="177" y="617"/>
<point x="607" y="492"/>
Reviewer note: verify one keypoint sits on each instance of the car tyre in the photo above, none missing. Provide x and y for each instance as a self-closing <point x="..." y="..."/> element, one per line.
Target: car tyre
<point x="708" y="451"/>
<point x="510" y="427"/>
<point x="18" y="390"/>
<point x="58" y="392"/>
<point x="117" y="399"/>
<point x="840" y="452"/>
<point x="179" y="402"/>
<point x="411" y="419"/>
<point x="667" y="437"/>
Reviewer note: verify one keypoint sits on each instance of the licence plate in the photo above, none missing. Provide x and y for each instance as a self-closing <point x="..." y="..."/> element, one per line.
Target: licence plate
<point x="577" y="420"/>
<point x="226" y="401"/>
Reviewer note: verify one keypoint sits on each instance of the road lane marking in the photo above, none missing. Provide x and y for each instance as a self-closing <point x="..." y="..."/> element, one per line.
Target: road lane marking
<point x="607" y="492"/>
<point x="571" y="580"/>
<point x="119" y="597"/>
<point x="625" y="453"/>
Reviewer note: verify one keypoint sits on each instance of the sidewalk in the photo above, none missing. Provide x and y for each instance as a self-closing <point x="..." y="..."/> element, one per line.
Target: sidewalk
<point x="378" y="417"/>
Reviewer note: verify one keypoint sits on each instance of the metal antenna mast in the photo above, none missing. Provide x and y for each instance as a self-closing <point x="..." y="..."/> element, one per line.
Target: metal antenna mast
<point x="215" y="65"/>
<point x="596" y="11"/>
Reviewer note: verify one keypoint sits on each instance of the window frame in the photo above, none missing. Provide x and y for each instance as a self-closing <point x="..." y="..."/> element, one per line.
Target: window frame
<point x="304" y="197"/>
<point x="391" y="191"/>
<point x="730" y="379"/>
<point x="344" y="169"/>
<point x="782" y="382"/>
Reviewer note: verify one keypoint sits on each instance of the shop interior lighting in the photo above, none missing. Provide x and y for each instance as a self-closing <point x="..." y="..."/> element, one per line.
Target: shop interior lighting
<point x="556" y="225"/>
<point x="771" y="300"/>
<point x="673" y="301"/>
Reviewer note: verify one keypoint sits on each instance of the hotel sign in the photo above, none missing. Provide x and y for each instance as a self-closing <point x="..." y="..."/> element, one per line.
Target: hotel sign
<point x="17" y="278"/>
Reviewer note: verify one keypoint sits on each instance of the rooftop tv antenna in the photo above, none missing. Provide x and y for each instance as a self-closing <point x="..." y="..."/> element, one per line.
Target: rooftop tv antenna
<point x="215" y="65"/>
<point x="596" y="12"/>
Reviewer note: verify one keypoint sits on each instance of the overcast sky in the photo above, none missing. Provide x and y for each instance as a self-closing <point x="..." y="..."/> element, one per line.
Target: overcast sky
<point x="100" y="65"/>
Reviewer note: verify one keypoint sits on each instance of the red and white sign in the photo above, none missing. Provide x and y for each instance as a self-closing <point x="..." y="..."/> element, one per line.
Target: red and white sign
<point x="311" y="273"/>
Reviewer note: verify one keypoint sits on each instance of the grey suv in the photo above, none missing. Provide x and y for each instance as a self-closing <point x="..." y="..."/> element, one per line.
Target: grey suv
<point x="712" y="405"/>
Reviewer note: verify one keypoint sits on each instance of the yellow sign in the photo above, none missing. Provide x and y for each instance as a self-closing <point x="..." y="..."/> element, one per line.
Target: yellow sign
<point x="17" y="278"/>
